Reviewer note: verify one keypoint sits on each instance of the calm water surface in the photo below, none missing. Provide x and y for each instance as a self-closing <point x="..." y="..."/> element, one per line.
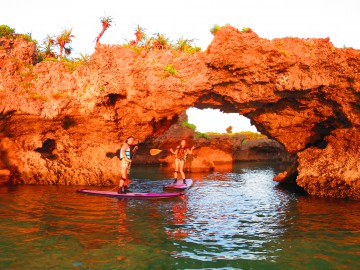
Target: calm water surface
<point x="239" y="219"/>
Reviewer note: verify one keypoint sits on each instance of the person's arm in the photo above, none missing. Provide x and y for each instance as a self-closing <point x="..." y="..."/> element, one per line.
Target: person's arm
<point x="174" y="152"/>
<point x="190" y="150"/>
<point x="136" y="147"/>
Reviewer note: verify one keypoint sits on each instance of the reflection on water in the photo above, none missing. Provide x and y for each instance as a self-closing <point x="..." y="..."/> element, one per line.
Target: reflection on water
<point x="237" y="219"/>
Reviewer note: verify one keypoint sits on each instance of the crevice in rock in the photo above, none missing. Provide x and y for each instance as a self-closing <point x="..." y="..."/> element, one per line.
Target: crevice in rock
<point x="163" y="125"/>
<point x="47" y="149"/>
<point x="68" y="122"/>
<point x="4" y="119"/>
<point x="324" y="128"/>
<point x="111" y="99"/>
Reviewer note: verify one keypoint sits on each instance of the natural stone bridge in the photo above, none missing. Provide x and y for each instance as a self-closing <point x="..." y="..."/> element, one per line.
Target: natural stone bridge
<point x="57" y="125"/>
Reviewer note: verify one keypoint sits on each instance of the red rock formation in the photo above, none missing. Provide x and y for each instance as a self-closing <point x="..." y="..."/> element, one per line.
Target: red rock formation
<point x="212" y="151"/>
<point x="60" y="126"/>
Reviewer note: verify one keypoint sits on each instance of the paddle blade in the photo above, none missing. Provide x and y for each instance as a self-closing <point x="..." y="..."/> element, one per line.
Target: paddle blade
<point x="154" y="152"/>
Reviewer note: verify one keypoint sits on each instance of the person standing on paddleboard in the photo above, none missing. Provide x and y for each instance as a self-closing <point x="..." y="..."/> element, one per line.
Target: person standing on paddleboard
<point x="181" y="153"/>
<point x="126" y="154"/>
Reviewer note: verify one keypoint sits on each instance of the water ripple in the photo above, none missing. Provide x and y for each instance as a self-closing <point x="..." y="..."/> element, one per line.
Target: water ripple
<point x="234" y="220"/>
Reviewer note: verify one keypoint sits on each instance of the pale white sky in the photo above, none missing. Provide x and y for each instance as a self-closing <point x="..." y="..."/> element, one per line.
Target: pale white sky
<point x="191" y="19"/>
<point x="216" y="121"/>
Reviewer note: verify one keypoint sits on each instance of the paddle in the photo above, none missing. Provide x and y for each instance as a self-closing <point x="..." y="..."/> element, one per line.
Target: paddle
<point x="154" y="152"/>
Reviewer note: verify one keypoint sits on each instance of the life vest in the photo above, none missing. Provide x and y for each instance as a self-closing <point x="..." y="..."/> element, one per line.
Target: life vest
<point x="127" y="153"/>
<point x="181" y="153"/>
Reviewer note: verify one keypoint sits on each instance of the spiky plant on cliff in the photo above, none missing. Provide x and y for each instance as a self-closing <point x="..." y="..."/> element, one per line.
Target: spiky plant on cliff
<point x="63" y="39"/>
<point x="161" y="42"/>
<point x="139" y="34"/>
<point x="47" y="46"/>
<point x="185" y="45"/>
<point x="106" y="23"/>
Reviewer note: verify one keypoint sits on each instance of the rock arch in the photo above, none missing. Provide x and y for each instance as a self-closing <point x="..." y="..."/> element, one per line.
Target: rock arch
<point x="304" y="93"/>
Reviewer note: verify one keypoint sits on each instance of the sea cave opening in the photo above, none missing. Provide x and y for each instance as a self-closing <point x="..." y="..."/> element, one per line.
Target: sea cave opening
<point x="221" y="140"/>
<point x="244" y="141"/>
<point x="213" y="120"/>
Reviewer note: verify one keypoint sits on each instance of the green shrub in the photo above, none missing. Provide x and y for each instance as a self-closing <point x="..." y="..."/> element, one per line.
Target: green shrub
<point x="28" y="38"/>
<point x="38" y="96"/>
<point x="202" y="135"/>
<point x="169" y="69"/>
<point x="284" y="52"/>
<point x="189" y="125"/>
<point x="6" y="31"/>
<point x="252" y="135"/>
<point x="185" y="45"/>
<point x="40" y="57"/>
<point x="214" y="29"/>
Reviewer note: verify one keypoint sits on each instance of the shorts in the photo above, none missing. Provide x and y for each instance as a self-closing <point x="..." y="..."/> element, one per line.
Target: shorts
<point x="124" y="166"/>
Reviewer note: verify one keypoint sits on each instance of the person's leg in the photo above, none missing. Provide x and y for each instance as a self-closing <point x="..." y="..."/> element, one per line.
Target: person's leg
<point x="181" y="167"/>
<point x="126" y="183"/>
<point x="176" y="170"/>
<point x="123" y="176"/>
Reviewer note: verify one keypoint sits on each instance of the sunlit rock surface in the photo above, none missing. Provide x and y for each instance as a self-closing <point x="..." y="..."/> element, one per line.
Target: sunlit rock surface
<point x="60" y="126"/>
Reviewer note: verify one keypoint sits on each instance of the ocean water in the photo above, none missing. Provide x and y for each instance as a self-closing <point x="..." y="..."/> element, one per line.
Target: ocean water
<point x="235" y="219"/>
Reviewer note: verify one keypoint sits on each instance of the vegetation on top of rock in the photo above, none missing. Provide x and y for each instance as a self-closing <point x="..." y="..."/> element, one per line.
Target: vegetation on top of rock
<point x="189" y="125"/>
<point x="214" y="29"/>
<point x="6" y="31"/>
<point x="229" y="129"/>
<point x="58" y="46"/>
<point x="185" y="45"/>
<point x="49" y="44"/>
<point x="193" y="128"/>
<point x="249" y="134"/>
<point x="159" y="41"/>
<point x="64" y="39"/>
<point x="106" y="23"/>
<point x="71" y="64"/>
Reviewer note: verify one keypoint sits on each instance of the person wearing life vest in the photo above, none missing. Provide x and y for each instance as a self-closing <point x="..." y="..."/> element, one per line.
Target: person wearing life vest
<point x="181" y="153"/>
<point x="126" y="154"/>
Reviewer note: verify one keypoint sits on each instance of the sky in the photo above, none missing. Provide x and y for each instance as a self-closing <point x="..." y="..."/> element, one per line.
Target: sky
<point x="191" y="19"/>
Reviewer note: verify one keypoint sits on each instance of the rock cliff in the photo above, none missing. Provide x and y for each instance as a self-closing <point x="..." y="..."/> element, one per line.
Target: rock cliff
<point x="60" y="126"/>
<point x="212" y="152"/>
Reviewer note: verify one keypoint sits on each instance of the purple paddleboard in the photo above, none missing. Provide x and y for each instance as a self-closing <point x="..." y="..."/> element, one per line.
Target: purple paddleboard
<point x="109" y="193"/>
<point x="180" y="185"/>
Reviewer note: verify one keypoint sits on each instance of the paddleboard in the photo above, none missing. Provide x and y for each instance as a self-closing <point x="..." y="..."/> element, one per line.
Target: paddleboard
<point x="109" y="193"/>
<point x="179" y="184"/>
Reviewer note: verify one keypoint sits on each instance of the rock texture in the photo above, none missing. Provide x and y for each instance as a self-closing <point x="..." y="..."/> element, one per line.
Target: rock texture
<point x="212" y="151"/>
<point x="63" y="126"/>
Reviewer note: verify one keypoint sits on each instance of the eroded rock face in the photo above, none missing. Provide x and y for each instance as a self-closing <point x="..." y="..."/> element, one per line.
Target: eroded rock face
<point x="59" y="126"/>
<point x="340" y="178"/>
<point x="212" y="151"/>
